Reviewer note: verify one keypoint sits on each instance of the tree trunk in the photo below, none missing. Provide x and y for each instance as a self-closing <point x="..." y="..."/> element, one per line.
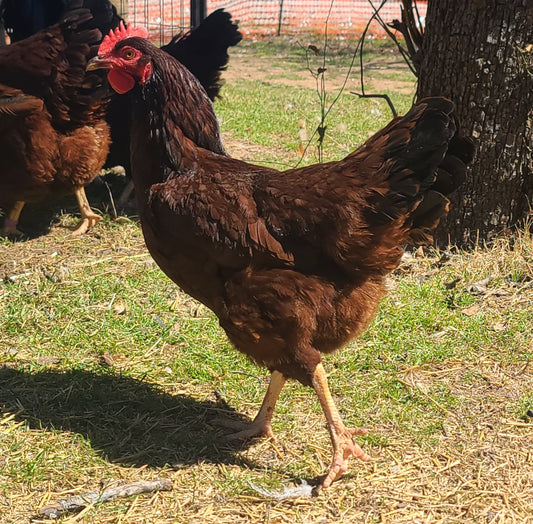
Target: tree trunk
<point x="479" y="53"/>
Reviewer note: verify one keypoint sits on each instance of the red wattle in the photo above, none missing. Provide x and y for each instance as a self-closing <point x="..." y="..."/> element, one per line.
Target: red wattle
<point x="120" y="81"/>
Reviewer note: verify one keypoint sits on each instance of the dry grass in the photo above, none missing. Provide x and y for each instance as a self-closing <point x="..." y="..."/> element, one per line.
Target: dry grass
<point x="110" y="375"/>
<point x="70" y="428"/>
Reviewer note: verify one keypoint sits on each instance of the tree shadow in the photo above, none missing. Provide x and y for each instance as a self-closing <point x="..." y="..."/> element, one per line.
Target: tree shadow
<point x="129" y="421"/>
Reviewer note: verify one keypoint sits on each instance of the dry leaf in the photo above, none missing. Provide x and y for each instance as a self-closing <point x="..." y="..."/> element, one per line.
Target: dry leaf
<point x="119" y="308"/>
<point x="471" y="311"/>
<point x="107" y="359"/>
<point x="499" y="326"/>
<point x="478" y="288"/>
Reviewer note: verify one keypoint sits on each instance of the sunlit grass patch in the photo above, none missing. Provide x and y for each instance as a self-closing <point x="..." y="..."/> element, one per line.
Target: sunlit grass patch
<point x="110" y="374"/>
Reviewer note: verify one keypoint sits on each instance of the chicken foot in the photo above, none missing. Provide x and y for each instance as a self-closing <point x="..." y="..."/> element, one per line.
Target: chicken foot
<point x="344" y="446"/>
<point x="10" y="222"/>
<point x="261" y="426"/>
<point x="88" y="217"/>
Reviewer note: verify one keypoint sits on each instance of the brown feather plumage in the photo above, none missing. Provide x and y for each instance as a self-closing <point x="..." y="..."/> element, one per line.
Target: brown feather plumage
<point x="292" y="263"/>
<point x="53" y="138"/>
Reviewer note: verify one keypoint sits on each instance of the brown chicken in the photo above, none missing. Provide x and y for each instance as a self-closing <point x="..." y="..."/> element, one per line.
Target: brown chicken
<point x="292" y="263"/>
<point x="204" y="51"/>
<point x="53" y="135"/>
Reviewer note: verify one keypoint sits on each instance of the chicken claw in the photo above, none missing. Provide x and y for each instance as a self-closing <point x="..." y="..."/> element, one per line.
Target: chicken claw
<point x="343" y="449"/>
<point x="9" y="228"/>
<point x="246" y="430"/>
<point x="342" y="441"/>
<point x="86" y="223"/>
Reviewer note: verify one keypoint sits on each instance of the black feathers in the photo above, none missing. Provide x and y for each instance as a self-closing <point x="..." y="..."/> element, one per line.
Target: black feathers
<point x="204" y="51"/>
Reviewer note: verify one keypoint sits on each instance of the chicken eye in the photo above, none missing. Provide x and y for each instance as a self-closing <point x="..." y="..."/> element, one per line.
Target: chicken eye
<point x="128" y="54"/>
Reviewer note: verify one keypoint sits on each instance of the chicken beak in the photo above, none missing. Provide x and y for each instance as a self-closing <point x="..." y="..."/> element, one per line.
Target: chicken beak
<point x="98" y="63"/>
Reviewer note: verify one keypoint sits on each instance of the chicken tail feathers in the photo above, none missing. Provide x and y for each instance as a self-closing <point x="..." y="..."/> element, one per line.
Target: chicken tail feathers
<point x="402" y="177"/>
<point x="445" y="169"/>
<point x="434" y="204"/>
<point x="204" y="50"/>
<point x="426" y="161"/>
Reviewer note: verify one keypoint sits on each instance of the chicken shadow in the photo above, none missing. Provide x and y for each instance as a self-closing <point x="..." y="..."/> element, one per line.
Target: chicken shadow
<point x="129" y="421"/>
<point x="36" y="220"/>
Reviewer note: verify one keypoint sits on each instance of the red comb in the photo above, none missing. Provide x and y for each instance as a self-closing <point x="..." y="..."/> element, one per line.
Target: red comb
<point x="118" y="34"/>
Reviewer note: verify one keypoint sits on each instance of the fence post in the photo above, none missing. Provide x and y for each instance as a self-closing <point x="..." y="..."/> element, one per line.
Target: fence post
<point x="198" y="12"/>
<point x="280" y="16"/>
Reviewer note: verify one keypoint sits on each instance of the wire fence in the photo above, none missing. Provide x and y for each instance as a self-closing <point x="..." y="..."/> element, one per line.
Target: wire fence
<point x="164" y="18"/>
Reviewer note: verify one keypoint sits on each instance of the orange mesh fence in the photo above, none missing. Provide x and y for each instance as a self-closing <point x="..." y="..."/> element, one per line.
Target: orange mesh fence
<point x="165" y="18"/>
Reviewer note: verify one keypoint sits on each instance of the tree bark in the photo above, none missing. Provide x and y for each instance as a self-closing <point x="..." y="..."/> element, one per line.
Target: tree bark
<point x="479" y="53"/>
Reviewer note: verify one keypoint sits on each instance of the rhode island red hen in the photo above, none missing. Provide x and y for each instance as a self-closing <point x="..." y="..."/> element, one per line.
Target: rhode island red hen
<point x="292" y="263"/>
<point x="53" y="136"/>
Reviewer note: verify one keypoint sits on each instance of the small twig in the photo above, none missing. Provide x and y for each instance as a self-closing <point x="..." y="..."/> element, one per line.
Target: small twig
<point x="385" y="27"/>
<point x="321" y="128"/>
<point x="375" y="16"/>
<point x="112" y="200"/>
<point x="385" y="96"/>
<point x="70" y="504"/>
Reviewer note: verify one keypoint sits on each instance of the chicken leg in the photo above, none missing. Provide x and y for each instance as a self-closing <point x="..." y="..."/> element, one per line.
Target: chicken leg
<point x="10" y="222"/>
<point x="88" y="217"/>
<point x="344" y="446"/>
<point x="261" y="425"/>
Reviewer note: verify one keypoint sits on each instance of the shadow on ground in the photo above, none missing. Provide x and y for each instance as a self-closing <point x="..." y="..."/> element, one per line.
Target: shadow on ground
<point x="130" y="421"/>
<point x="37" y="219"/>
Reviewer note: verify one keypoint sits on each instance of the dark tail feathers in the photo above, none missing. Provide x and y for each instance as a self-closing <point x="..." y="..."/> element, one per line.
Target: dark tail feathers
<point x="104" y="15"/>
<point x="204" y="51"/>
<point x="449" y="176"/>
<point x="430" y="158"/>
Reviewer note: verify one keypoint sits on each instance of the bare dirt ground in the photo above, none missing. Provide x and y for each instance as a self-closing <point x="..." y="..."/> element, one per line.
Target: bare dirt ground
<point x="243" y="65"/>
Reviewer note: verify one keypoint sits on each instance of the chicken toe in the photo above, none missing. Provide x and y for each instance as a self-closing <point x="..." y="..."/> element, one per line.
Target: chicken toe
<point x="344" y="448"/>
<point x="88" y="217"/>
<point x="9" y="228"/>
<point x="246" y="430"/>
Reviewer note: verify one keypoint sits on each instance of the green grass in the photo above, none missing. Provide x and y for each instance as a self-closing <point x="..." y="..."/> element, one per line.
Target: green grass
<point x="292" y="98"/>
<point x="348" y="124"/>
<point x="111" y="373"/>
